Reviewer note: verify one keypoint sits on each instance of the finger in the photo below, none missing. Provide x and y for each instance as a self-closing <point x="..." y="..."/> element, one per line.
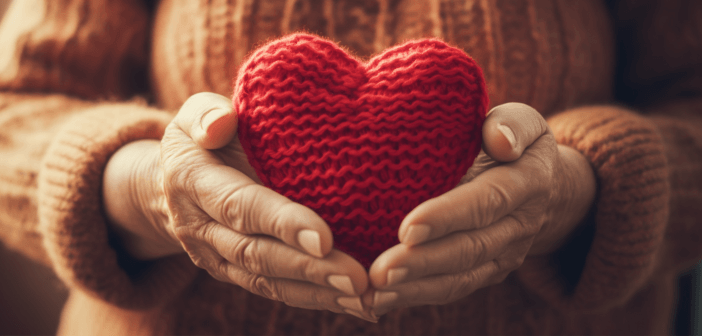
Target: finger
<point x="451" y="254"/>
<point x="510" y="128"/>
<point x="487" y="197"/>
<point x="234" y="200"/>
<point x="435" y="290"/>
<point x="474" y="205"/>
<point x="269" y="257"/>
<point x="208" y="118"/>
<point x="296" y="293"/>
<point x="230" y="196"/>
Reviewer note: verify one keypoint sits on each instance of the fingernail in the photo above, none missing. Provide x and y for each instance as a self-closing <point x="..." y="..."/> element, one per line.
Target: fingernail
<point x="382" y="298"/>
<point x="211" y="117"/>
<point x="353" y="302"/>
<point x="309" y="240"/>
<point x="416" y="234"/>
<point x="342" y="283"/>
<point x="396" y="275"/>
<point x="359" y="315"/>
<point x="509" y="134"/>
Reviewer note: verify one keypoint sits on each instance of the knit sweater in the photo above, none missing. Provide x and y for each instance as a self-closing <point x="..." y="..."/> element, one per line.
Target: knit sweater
<point x="620" y="81"/>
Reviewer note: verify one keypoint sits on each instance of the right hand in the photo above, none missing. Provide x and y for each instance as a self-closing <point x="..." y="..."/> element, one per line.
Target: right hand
<point x="211" y="204"/>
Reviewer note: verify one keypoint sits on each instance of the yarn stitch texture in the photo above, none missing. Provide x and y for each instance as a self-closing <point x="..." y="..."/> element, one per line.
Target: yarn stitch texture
<point x="361" y="144"/>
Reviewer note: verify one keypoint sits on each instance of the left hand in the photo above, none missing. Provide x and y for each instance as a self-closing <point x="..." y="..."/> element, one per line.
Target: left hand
<point x="523" y="196"/>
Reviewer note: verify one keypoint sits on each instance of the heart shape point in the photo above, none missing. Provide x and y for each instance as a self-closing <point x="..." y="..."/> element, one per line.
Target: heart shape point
<point x="361" y="144"/>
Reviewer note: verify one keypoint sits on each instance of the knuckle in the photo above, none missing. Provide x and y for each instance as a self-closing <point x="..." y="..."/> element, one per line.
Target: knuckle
<point x="472" y="250"/>
<point x="279" y="217"/>
<point x="200" y="232"/>
<point x="502" y="269"/>
<point x="240" y="208"/>
<point x="222" y="266"/>
<point x="219" y="270"/>
<point x="465" y="250"/>
<point x="306" y="269"/>
<point x="498" y="199"/>
<point x="245" y="254"/>
<point x="264" y="287"/>
<point x="251" y="260"/>
<point x="480" y="248"/>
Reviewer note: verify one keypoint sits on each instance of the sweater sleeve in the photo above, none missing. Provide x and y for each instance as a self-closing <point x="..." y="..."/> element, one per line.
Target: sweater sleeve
<point x="71" y="217"/>
<point x="54" y="146"/>
<point x="647" y="158"/>
<point x="54" y="150"/>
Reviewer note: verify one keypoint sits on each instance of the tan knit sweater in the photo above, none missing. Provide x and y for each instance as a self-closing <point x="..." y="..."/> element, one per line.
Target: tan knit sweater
<point x="620" y="81"/>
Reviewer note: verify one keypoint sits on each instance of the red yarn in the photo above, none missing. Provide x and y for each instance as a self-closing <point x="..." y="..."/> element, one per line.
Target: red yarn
<point x="360" y="144"/>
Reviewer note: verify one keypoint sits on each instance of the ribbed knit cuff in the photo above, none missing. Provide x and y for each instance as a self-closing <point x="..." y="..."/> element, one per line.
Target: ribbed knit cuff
<point x="71" y="215"/>
<point x="613" y="253"/>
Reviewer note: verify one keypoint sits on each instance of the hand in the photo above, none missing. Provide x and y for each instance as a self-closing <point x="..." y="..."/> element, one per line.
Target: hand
<point x="523" y="196"/>
<point x="196" y="191"/>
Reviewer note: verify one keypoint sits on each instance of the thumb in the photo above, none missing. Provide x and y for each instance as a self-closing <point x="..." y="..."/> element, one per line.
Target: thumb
<point x="209" y="119"/>
<point x="510" y="128"/>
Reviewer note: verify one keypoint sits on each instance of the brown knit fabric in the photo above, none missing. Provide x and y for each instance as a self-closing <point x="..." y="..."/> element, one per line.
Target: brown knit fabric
<point x="628" y="156"/>
<point x="32" y="120"/>
<point x="70" y="208"/>
<point x="616" y="274"/>
<point x="91" y="49"/>
<point x="535" y="54"/>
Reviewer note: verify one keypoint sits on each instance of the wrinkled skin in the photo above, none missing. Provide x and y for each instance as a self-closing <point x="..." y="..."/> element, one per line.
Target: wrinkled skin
<point x="199" y="194"/>
<point x="521" y="197"/>
<point x="195" y="192"/>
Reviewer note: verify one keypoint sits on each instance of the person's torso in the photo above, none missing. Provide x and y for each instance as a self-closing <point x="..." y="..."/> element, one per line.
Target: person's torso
<point x="551" y="54"/>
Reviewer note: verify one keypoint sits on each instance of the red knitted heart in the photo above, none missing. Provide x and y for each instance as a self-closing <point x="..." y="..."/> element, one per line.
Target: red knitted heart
<point x="361" y="144"/>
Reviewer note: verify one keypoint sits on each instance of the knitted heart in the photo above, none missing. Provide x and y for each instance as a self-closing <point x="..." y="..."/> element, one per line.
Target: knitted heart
<point x="361" y="144"/>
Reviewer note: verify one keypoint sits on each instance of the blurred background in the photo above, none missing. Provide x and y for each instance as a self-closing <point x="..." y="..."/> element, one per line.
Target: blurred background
<point x="31" y="297"/>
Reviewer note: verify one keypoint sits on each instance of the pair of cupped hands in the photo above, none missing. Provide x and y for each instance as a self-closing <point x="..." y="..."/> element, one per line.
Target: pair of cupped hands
<point x="195" y="191"/>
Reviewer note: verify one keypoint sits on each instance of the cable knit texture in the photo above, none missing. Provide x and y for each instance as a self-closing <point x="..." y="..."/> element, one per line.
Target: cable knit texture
<point x="360" y="144"/>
